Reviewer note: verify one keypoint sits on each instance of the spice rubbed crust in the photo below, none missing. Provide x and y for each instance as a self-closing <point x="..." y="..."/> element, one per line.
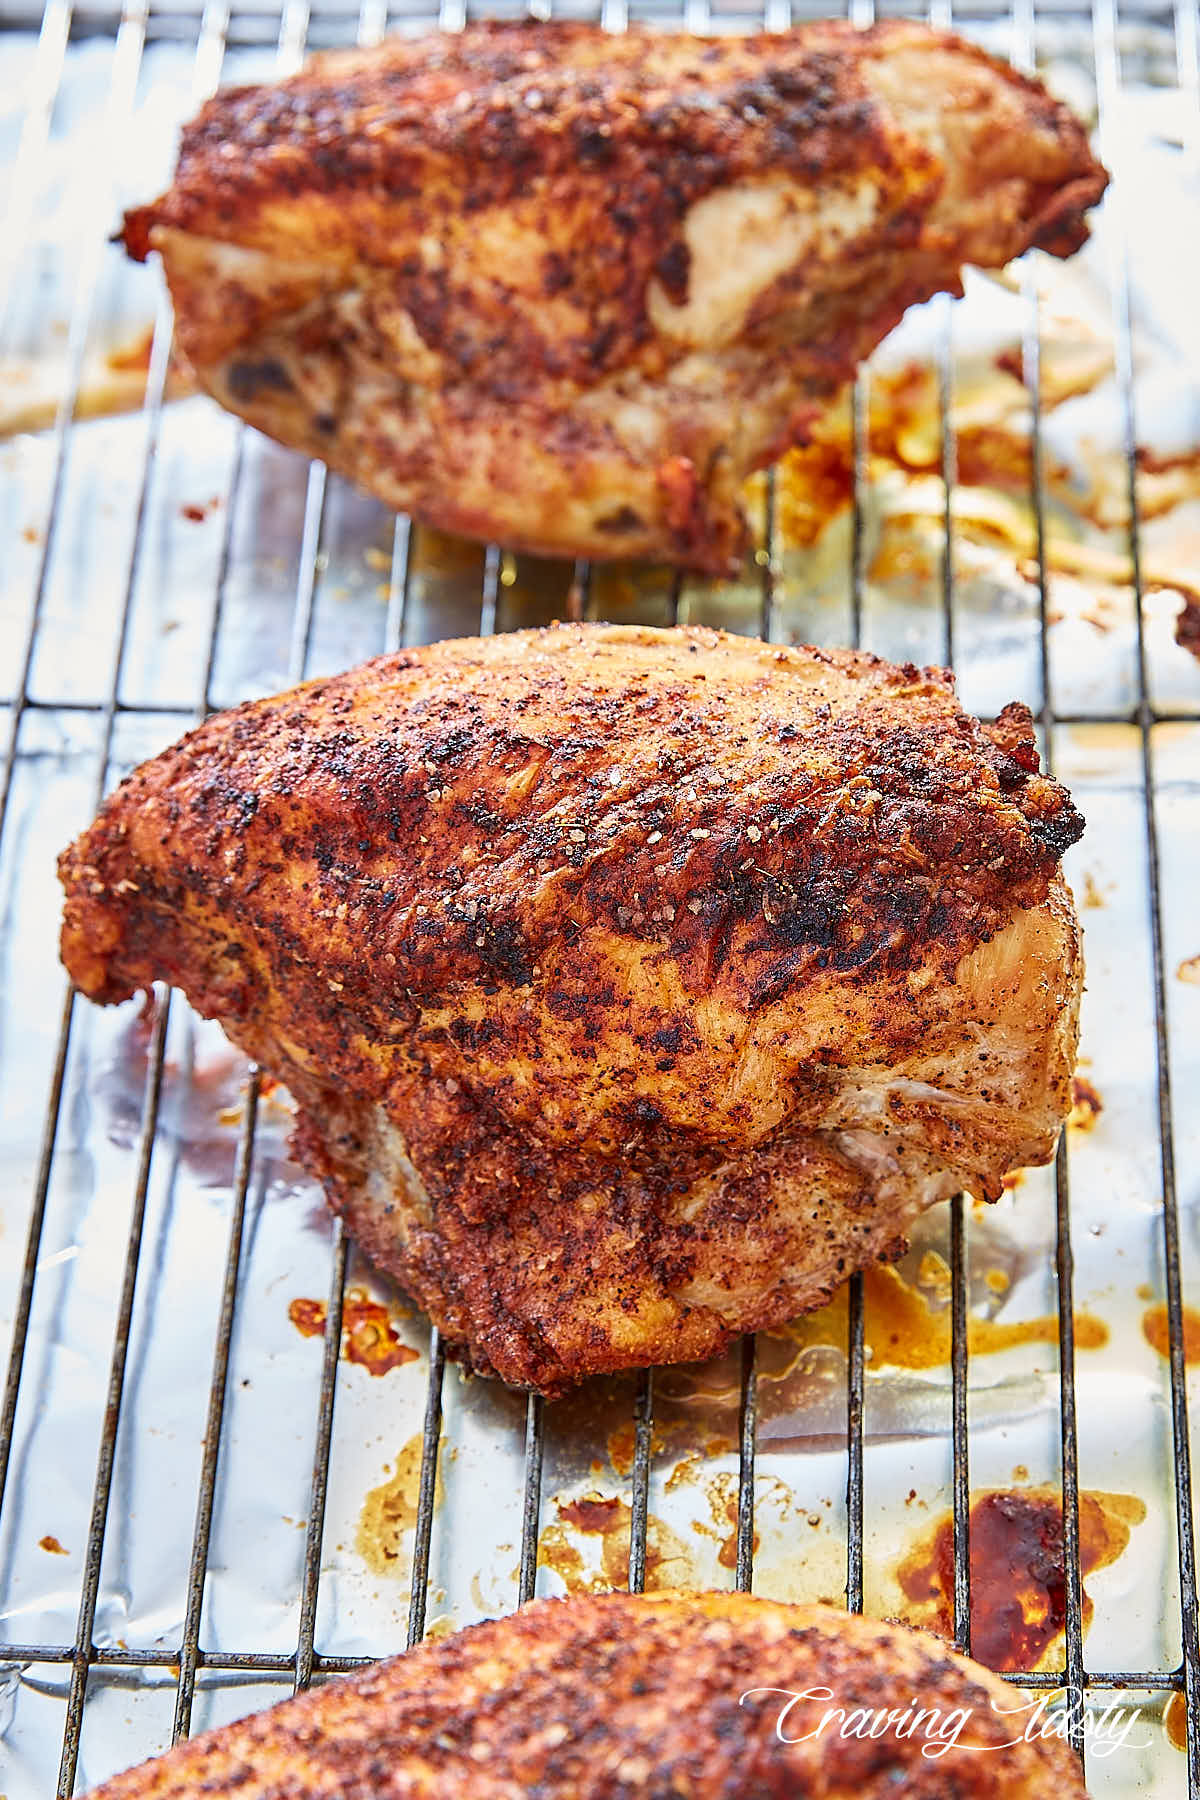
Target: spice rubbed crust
<point x="635" y="986"/>
<point x="564" y="290"/>
<point x="627" y="1697"/>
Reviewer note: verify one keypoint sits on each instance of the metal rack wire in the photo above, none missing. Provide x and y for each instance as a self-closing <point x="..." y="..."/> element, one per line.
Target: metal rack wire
<point x="211" y="31"/>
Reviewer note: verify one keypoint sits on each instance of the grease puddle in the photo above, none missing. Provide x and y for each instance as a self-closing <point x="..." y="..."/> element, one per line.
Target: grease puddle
<point x="1018" y="1579"/>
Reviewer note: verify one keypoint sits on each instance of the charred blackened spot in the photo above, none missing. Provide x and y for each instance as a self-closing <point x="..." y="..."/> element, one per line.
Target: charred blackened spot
<point x="644" y="1112"/>
<point x="673" y="268"/>
<point x="602" y="342"/>
<point x="811" y="922"/>
<point x="246" y="380"/>
<point x="557" y="274"/>
<point x="812" y="84"/>
<point x="1057" y="833"/>
<point x="753" y="99"/>
<point x="452" y="747"/>
<point x="1010" y="774"/>
<point x="486" y="820"/>
<point x="506" y="953"/>
<point x="917" y="773"/>
<point x="666" y="1043"/>
<point x="324" y="424"/>
<point x="566" y="1004"/>
<point x="592" y="144"/>
<point x="473" y="1034"/>
<point x="624" y="519"/>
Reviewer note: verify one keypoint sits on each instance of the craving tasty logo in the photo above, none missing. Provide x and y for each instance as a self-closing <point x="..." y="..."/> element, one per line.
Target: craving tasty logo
<point x="1062" y="1713"/>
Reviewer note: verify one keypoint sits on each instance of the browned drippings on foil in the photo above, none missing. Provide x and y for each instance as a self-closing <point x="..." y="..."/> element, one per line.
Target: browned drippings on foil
<point x="1092" y="897"/>
<point x="1018" y="1578"/>
<point x="368" y="1336"/>
<point x="721" y="1492"/>
<point x="674" y="1434"/>
<point x="308" y="1316"/>
<point x="133" y="356"/>
<point x="1086" y="1104"/>
<point x="389" y="1513"/>
<point x="815" y="483"/>
<point x="1157" y="1331"/>
<point x="1175" y="1722"/>
<point x="607" y="1518"/>
<point x="993" y="446"/>
<point x="902" y="1328"/>
<point x="993" y="477"/>
<point x="111" y="381"/>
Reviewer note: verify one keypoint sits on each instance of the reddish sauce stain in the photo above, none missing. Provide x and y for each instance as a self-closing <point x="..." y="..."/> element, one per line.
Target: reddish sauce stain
<point x="198" y="514"/>
<point x="1175" y="1721"/>
<point x="1018" y="1580"/>
<point x="368" y="1336"/>
<point x="1156" y="1331"/>
<point x="308" y="1316"/>
<point x="52" y="1545"/>
<point x="1187" y="633"/>
<point x="592" y="1514"/>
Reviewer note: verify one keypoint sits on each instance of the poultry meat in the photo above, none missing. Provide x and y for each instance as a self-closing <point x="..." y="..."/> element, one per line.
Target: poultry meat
<point x="542" y="284"/>
<point x="632" y="1697"/>
<point x="635" y="986"/>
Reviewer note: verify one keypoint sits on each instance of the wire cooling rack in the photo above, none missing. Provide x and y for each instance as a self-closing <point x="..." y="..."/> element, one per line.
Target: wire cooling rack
<point x="133" y="1224"/>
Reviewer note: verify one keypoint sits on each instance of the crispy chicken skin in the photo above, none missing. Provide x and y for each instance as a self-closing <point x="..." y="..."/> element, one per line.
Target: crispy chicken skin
<point x="635" y="986"/>
<point x="542" y="284"/>
<point x="615" y="1696"/>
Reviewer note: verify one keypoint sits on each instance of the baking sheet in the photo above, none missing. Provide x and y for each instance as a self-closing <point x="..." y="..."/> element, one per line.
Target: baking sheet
<point x="226" y="600"/>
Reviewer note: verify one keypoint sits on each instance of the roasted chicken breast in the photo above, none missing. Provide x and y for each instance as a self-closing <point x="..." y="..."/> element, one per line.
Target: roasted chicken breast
<point x="539" y="283"/>
<point x="635" y="986"/>
<point x="616" y="1696"/>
